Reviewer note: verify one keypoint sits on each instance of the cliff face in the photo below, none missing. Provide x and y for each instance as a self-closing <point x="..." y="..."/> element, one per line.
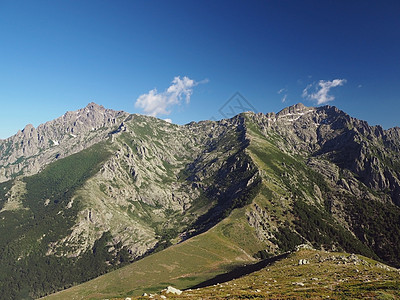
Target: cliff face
<point x="327" y="133"/>
<point x="355" y="176"/>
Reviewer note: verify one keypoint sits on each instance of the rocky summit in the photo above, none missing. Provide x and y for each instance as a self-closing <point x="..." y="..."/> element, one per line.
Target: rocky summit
<point x="31" y="148"/>
<point x="97" y="189"/>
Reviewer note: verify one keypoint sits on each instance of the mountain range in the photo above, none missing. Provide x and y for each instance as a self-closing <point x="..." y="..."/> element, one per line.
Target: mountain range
<point x="98" y="190"/>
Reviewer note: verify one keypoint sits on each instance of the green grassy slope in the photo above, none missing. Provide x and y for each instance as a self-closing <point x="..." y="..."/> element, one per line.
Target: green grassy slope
<point x="229" y="244"/>
<point x="132" y="200"/>
<point x="297" y="210"/>
<point x="25" y="233"/>
<point x="288" y="209"/>
<point x="327" y="275"/>
<point x="301" y="199"/>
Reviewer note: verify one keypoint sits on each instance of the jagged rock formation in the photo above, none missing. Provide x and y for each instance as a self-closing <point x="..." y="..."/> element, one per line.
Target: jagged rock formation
<point x="116" y="187"/>
<point x="359" y="164"/>
<point x="328" y="134"/>
<point x="32" y="148"/>
<point x="163" y="183"/>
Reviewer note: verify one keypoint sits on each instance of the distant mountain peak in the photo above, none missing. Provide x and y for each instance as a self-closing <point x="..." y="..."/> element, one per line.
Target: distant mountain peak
<point x="295" y="109"/>
<point x="31" y="148"/>
<point x="94" y="106"/>
<point x="28" y="127"/>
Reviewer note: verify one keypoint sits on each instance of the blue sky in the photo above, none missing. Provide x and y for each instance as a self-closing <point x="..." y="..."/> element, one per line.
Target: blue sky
<point x="191" y="57"/>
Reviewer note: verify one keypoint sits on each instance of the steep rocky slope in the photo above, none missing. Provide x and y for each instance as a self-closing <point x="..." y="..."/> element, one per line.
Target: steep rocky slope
<point x="145" y="185"/>
<point x="160" y="179"/>
<point x="32" y="148"/>
<point x="359" y="165"/>
<point x="326" y="133"/>
<point x="259" y="183"/>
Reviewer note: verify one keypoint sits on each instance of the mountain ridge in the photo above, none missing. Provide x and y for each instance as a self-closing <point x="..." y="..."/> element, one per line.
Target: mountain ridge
<point x="135" y="185"/>
<point x="31" y="148"/>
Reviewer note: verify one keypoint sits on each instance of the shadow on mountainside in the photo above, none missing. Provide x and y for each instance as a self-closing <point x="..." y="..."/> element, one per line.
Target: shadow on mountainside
<point x="240" y="271"/>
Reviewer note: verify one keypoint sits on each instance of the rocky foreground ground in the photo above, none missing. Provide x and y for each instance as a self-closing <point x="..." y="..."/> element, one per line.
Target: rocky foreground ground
<point x="305" y="274"/>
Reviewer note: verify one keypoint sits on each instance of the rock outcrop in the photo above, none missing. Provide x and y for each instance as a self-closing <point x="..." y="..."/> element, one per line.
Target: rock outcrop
<point x="28" y="151"/>
<point x="326" y="133"/>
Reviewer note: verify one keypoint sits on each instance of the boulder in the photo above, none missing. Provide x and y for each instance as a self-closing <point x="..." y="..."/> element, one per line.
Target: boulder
<point x="172" y="290"/>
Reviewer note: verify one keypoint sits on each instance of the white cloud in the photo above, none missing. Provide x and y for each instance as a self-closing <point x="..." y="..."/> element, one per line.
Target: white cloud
<point x="154" y="103"/>
<point x="321" y="90"/>
<point x="168" y="120"/>
<point x="305" y="91"/>
<point x="281" y="91"/>
<point x="203" y="81"/>
<point x="284" y="92"/>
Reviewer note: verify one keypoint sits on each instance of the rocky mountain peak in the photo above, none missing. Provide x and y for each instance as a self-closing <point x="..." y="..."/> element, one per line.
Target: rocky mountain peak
<point x="295" y="109"/>
<point x="94" y="106"/>
<point x="28" y="128"/>
<point x="32" y="148"/>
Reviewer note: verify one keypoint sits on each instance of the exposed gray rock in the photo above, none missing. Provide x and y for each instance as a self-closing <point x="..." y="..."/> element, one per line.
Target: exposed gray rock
<point x="304" y="246"/>
<point x="172" y="290"/>
<point x="31" y="149"/>
<point x="303" y="262"/>
<point x="328" y="133"/>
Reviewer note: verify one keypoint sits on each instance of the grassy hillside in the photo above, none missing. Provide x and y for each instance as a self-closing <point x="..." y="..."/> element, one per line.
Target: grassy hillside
<point x="183" y="265"/>
<point x="321" y="275"/>
<point x="286" y="207"/>
<point x="41" y="218"/>
<point x="234" y="185"/>
<point x="295" y="200"/>
<point x="94" y="211"/>
<point x="326" y="275"/>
